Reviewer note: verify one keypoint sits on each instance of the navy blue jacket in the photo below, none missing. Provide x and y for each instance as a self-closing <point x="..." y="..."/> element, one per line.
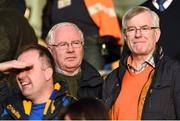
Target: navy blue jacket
<point x="12" y="107"/>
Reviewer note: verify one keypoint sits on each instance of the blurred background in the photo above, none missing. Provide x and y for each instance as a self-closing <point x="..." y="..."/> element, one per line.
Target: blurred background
<point x="34" y="11"/>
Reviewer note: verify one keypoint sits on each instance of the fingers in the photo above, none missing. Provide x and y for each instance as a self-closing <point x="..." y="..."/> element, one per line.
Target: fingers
<point x="14" y="64"/>
<point x="19" y="64"/>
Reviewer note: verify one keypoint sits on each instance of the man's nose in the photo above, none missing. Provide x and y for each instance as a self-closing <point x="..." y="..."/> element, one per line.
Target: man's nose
<point x="70" y="47"/>
<point x="21" y="74"/>
<point x="138" y="32"/>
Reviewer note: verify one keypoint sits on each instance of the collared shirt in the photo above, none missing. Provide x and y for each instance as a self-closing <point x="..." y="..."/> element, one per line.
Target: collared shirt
<point x="148" y="61"/>
<point x="165" y="4"/>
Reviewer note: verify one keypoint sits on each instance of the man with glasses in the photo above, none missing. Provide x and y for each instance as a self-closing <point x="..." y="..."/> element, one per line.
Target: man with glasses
<point x="146" y="83"/>
<point x="66" y="43"/>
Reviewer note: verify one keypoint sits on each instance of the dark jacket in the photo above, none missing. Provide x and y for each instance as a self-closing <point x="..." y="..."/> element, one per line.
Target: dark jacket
<point x="163" y="97"/>
<point x="15" y="31"/>
<point x="12" y="107"/>
<point x="90" y="83"/>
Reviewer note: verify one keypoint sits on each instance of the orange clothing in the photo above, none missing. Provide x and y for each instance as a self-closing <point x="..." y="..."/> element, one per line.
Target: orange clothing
<point x="126" y="105"/>
<point x="103" y="14"/>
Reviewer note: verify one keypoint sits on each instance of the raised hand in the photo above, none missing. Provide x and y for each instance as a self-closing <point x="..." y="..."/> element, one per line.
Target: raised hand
<point x="13" y="64"/>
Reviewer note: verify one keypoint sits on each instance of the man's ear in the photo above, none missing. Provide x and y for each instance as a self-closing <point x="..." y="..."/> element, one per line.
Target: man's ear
<point x="157" y="34"/>
<point x="124" y="36"/>
<point x="50" y="49"/>
<point x="48" y="73"/>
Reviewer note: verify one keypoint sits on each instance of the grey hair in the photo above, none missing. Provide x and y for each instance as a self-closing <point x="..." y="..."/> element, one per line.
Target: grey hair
<point x="137" y="10"/>
<point x="50" y="37"/>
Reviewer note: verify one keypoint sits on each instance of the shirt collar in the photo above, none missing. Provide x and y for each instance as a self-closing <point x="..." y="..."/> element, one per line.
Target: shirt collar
<point x="165" y="4"/>
<point x="148" y="62"/>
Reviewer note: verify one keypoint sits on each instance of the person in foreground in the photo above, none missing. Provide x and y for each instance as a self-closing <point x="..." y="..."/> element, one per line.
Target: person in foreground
<point x="66" y="43"/>
<point x="39" y="98"/>
<point x="146" y="85"/>
<point x="85" y="109"/>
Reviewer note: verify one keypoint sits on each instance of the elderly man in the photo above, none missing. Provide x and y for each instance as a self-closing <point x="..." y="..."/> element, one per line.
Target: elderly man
<point x="65" y="41"/>
<point x="39" y="98"/>
<point x="146" y="85"/>
<point x="91" y="16"/>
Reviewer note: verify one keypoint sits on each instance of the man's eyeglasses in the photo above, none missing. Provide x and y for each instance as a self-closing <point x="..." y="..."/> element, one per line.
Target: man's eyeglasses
<point x="143" y="29"/>
<point x="65" y="45"/>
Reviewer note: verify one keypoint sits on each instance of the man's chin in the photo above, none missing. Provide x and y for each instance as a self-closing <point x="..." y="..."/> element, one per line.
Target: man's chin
<point x="71" y="68"/>
<point x="27" y="95"/>
<point x="71" y="64"/>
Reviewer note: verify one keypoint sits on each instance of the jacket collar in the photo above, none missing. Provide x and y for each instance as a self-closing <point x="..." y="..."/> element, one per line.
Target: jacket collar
<point x="158" y="54"/>
<point x="22" y="108"/>
<point x="90" y="76"/>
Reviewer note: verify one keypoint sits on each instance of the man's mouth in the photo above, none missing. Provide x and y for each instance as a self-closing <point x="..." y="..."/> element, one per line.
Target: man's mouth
<point x="23" y="84"/>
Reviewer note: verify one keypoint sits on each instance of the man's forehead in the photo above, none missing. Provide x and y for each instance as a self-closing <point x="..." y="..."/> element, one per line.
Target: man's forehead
<point x="29" y="55"/>
<point x="136" y="19"/>
<point x="143" y="13"/>
<point x="64" y="27"/>
<point x="67" y="33"/>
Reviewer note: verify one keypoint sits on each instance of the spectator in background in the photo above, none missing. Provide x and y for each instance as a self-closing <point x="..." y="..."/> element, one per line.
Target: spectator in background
<point x="85" y="109"/>
<point x="96" y="19"/>
<point x="15" y="31"/>
<point x="65" y="41"/>
<point x="39" y="98"/>
<point x="170" y="18"/>
<point x="146" y="84"/>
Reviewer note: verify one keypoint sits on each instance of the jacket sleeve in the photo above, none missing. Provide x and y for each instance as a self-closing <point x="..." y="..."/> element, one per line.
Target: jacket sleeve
<point x="176" y="89"/>
<point x="109" y="88"/>
<point x="4" y="90"/>
<point x="5" y="49"/>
